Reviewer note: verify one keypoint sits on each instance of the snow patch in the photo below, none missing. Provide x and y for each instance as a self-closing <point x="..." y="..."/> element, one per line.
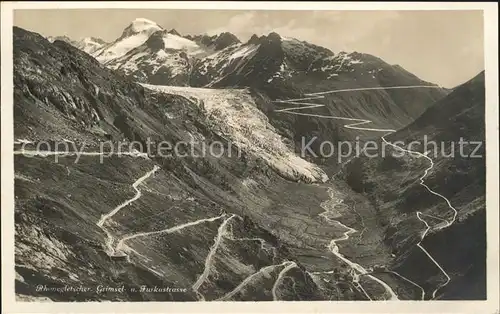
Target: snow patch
<point x="89" y="45"/>
<point x="23" y="177"/>
<point x="243" y="52"/>
<point x="30" y="298"/>
<point x="120" y="47"/>
<point x="172" y="41"/>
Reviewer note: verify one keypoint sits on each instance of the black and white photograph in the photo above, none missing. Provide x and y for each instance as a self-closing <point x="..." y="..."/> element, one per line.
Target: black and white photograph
<point x="229" y="155"/>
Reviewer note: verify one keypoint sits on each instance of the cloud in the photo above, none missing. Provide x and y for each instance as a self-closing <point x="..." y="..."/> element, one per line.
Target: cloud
<point x="337" y="30"/>
<point x="237" y="24"/>
<point x="431" y="44"/>
<point x="246" y="24"/>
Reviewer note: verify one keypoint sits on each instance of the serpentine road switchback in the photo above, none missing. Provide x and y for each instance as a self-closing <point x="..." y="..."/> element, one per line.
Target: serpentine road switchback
<point x="356" y="125"/>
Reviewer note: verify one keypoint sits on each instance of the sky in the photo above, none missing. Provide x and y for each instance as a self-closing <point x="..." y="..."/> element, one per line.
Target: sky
<point x="442" y="47"/>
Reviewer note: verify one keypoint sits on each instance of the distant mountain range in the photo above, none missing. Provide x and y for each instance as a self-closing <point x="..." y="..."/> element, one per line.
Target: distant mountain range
<point x="87" y="44"/>
<point x="278" y="67"/>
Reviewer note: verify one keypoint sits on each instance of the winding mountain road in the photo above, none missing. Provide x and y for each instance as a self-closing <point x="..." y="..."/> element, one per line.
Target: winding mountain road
<point x="264" y="271"/>
<point x="356" y="125"/>
<point x="360" y="270"/>
<point x="104" y="218"/>
<point x="274" y="290"/>
<point x="420" y="214"/>
<point x="222" y="231"/>
<point x="173" y="229"/>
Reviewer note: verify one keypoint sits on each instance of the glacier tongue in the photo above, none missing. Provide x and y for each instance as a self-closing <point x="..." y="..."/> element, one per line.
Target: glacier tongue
<point x="237" y="117"/>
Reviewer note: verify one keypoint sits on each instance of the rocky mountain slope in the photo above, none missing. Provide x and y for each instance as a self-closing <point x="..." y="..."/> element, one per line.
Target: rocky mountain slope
<point x="278" y="66"/>
<point x="287" y="68"/>
<point x="214" y="42"/>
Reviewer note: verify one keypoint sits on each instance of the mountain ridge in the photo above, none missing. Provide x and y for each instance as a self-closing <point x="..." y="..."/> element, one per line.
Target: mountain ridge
<point x="277" y="67"/>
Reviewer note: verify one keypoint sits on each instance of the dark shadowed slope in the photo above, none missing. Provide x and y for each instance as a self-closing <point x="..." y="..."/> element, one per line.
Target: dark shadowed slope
<point x="287" y="68"/>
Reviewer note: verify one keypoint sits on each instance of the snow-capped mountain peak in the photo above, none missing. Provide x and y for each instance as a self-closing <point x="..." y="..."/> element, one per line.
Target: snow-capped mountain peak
<point x="216" y="42"/>
<point x="163" y="57"/>
<point x="90" y="44"/>
<point x="87" y="44"/>
<point x="92" y="41"/>
<point x="134" y="35"/>
<point x="141" y="25"/>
